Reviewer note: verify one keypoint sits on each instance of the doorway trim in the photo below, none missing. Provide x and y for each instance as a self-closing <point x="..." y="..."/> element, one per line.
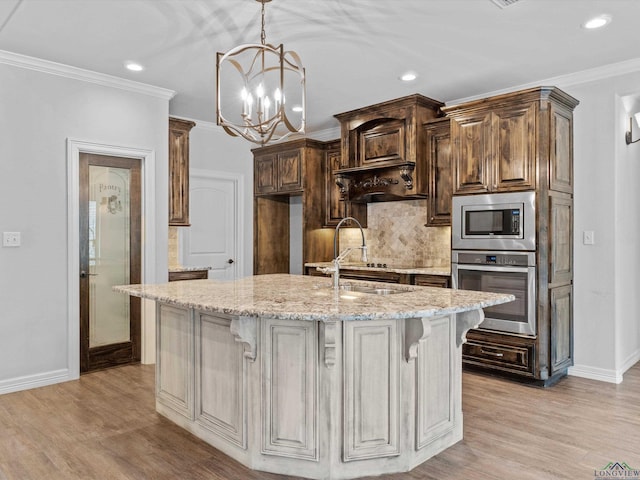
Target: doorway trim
<point x="148" y="270"/>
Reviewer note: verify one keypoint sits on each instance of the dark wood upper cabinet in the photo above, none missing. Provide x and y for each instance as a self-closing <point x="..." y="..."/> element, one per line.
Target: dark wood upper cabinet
<point x="494" y="149"/>
<point x="437" y="149"/>
<point x="514" y="152"/>
<point x="179" y="171"/>
<point x="383" y="150"/>
<point x="265" y="174"/>
<point x="278" y="172"/>
<point x="495" y="141"/>
<point x="471" y="154"/>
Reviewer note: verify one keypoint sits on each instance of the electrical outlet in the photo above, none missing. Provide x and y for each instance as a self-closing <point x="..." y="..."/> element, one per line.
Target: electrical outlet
<point x="10" y="239"/>
<point x="588" y="237"/>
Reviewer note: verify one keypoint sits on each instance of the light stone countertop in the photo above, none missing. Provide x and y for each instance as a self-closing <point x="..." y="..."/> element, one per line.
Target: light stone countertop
<point x="302" y="297"/>
<point x="409" y="270"/>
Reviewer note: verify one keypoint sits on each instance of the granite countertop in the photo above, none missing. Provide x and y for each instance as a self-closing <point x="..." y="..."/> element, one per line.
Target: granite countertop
<point x="302" y="297"/>
<point x="178" y="268"/>
<point x="406" y="269"/>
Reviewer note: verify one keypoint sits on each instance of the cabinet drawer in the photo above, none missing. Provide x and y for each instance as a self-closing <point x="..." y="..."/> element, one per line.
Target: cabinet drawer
<point x="189" y="275"/>
<point x="432" y="281"/>
<point x="373" y="276"/>
<point x="511" y="358"/>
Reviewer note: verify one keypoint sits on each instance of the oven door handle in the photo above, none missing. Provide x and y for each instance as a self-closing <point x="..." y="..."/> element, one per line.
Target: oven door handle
<point x="490" y="268"/>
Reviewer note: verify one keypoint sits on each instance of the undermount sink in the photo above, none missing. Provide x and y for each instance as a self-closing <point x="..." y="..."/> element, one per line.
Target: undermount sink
<point x="370" y="290"/>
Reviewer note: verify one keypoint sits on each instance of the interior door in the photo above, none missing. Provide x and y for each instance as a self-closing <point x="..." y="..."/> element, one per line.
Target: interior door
<point x="110" y="242"/>
<point x="212" y="240"/>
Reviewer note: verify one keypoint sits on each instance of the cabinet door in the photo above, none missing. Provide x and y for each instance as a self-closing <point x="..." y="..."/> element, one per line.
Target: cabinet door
<point x="561" y="321"/>
<point x="174" y="359"/>
<point x="179" y="171"/>
<point x="334" y="206"/>
<point x="561" y="154"/>
<point x="471" y="138"/>
<point x="514" y="134"/>
<point x="438" y="151"/>
<point x="265" y="176"/>
<point x="381" y="142"/>
<point x="560" y="239"/>
<point x="290" y="171"/>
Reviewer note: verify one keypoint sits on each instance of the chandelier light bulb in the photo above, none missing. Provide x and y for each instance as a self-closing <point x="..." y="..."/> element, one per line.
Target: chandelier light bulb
<point x="267" y="104"/>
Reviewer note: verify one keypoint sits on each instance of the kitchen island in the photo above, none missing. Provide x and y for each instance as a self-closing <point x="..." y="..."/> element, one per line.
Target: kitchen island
<point x="286" y="374"/>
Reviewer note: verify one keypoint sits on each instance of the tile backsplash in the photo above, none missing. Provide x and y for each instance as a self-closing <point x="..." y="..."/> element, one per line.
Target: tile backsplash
<point x="173" y="247"/>
<point x="396" y="235"/>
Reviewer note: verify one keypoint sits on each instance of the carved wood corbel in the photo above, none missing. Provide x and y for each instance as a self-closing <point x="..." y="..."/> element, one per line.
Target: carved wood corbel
<point x="245" y="330"/>
<point x="465" y="321"/>
<point x="406" y="172"/>
<point x="415" y="331"/>
<point x="343" y="184"/>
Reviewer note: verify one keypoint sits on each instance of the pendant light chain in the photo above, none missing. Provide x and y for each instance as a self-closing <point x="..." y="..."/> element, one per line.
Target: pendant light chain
<point x="263" y="36"/>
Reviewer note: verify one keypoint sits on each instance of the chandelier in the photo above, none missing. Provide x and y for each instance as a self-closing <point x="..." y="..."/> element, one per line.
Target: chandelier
<point x="260" y="91"/>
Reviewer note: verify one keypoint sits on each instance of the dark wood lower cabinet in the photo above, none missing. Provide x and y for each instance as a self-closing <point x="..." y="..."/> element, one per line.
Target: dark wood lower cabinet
<point x="432" y="281"/>
<point x="442" y="281"/>
<point x="500" y="353"/>
<point x="189" y="275"/>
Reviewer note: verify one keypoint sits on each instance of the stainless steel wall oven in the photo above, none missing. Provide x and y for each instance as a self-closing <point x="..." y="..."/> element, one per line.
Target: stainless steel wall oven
<point x="501" y="272"/>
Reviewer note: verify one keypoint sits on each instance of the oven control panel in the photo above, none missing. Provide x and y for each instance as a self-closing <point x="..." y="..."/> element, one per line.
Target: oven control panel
<point x="515" y="259"/>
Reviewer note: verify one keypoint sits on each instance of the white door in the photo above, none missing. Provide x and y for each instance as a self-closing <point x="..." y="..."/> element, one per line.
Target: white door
<point x="213" y="240"/>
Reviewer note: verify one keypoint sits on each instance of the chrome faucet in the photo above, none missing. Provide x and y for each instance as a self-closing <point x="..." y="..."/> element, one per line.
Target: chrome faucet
<point x="335" y="268"/>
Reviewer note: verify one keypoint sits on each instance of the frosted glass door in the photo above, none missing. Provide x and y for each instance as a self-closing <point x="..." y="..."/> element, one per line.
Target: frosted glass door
<point x="109" y="249"/>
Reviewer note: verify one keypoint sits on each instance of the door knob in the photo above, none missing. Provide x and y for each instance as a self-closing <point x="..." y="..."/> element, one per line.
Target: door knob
<point x="230" y="261"/>
<point x="84" y="274"/>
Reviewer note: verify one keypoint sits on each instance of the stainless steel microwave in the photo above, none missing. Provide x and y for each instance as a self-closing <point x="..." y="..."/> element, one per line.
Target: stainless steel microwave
<point x="494" y="221"/>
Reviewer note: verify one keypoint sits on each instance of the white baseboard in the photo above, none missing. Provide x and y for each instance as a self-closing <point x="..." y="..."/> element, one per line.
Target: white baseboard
<point x="34" y="381"/>
<point x="594" y="373"/>
<point x="630" y="361"/>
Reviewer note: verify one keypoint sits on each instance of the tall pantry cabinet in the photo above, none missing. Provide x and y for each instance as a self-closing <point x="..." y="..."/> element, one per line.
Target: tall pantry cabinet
<point x="514" y="142"/>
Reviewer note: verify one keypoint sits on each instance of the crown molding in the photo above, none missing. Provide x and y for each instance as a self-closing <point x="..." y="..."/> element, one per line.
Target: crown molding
<point x="568" y="80"/>
<point x="75" y="73"/>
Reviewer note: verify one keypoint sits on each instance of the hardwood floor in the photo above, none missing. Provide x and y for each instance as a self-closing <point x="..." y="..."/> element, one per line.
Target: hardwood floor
<point x="104" y="427"/>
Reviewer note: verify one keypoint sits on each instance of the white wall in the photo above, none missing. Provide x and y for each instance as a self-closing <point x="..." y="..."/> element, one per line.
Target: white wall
<point x="38" y="112"/>
<point x="210" y="148"/>
<point x="627" y="198"/>
<point x="607" y="201"/>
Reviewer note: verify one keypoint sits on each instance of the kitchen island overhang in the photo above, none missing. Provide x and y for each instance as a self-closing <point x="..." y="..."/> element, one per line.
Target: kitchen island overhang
<point x="287" y="375"/>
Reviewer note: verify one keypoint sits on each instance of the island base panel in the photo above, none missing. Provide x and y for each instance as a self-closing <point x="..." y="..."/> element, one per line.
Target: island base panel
<point x="319" y="399"/>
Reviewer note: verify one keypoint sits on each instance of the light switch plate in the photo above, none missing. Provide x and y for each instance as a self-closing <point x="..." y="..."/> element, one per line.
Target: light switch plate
<point x="588" y="237"/>
<point x="10" y="239"/>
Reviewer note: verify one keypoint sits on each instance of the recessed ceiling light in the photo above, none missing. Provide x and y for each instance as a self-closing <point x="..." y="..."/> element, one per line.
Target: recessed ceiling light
<point x="296" y="108"/>
<point x="134" y="67"/>
<point x="409" y="76"/>
<point x="597" y="22"/>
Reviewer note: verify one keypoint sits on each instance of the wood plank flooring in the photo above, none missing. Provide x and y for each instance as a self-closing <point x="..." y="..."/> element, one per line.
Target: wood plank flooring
<point x="104" y="427"/>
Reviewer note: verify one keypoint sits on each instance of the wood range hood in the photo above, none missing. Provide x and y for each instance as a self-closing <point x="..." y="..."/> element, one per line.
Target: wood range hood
<point x="384" y="150"/>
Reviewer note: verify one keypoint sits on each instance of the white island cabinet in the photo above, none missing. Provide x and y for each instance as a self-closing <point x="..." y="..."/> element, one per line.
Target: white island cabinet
<point x="287" y="375"/>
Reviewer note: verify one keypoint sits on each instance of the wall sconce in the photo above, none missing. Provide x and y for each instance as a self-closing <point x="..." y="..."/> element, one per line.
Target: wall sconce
<point x="628" y="135"/>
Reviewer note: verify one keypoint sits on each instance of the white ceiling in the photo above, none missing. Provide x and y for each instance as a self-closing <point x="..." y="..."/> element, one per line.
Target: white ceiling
<point x="353" y="50"/>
